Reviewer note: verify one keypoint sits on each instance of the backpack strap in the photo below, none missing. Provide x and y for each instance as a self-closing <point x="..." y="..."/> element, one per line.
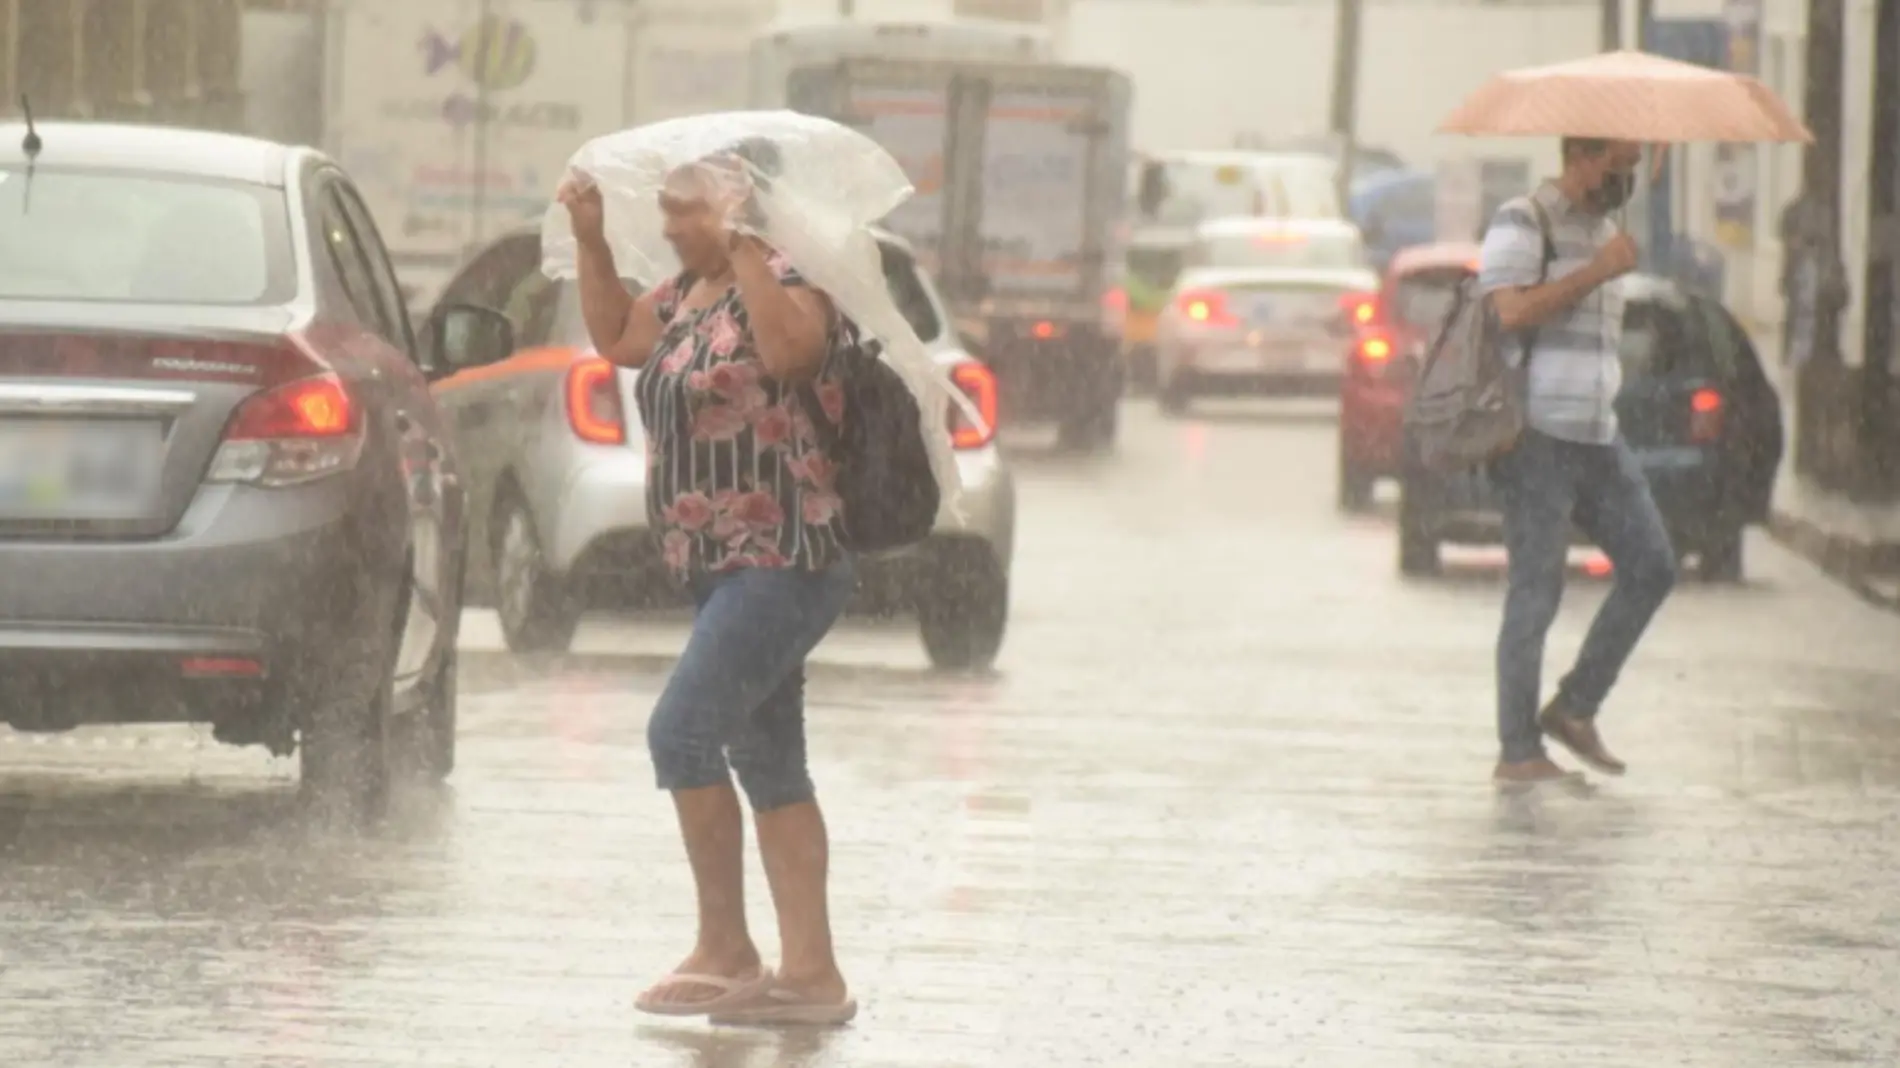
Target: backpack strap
<point x="828" y="439"/>
<point x="1543" y="269"/>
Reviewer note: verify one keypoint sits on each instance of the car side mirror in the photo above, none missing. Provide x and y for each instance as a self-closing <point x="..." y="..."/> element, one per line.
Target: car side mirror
<point x="467" y="335"/>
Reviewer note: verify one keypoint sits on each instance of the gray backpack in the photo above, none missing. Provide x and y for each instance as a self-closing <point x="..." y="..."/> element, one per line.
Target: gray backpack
<point x="1467" y="404"/>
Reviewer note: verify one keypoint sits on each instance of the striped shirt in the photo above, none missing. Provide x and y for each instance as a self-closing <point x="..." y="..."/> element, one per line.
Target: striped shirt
<point x="1575" y="372"/>
<point x="736" y="476"/>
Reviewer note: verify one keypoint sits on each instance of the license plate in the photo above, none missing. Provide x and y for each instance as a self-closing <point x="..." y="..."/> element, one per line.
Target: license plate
<point x="1667" y="458"/>
<point x="78" y="469"/>
<point x="1230" y="360"/>
<point x="1322" y="359"/>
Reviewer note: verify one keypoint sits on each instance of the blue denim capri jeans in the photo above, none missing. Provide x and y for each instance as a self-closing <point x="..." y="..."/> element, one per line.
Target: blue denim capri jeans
<point x="737" y="697"/>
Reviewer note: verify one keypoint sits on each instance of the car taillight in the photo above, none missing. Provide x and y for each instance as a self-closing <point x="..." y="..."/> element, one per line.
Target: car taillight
<point x="298" y="432"/>
<point x="1207" y="307"/>
<point x="593" y="403"/>
<point x="978" y="383"/>
<point x="1374" y="349"/>
<point x="1360" y="309"/>
<point x="1115" y="301"/>
<point x="1705" y="416"/>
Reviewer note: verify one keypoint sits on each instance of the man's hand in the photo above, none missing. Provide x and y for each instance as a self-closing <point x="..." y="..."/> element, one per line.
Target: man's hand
<point x="1616" y="258"/>
<point x="585" y="212"/>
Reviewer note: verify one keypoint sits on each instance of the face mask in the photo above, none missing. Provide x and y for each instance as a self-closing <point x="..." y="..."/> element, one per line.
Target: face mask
<point x="1613" y="192"/>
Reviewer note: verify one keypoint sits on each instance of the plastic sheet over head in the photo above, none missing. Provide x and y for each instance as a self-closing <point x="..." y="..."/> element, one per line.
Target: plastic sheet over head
<point x="807" y="186"/>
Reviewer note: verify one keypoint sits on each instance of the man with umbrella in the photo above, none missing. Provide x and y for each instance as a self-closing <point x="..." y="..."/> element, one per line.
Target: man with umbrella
<point x="1549" y="263"/>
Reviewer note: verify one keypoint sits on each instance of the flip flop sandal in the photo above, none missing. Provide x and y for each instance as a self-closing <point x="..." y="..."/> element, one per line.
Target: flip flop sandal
<point x="732" y="992"/>
<point x="771" y="1004"/>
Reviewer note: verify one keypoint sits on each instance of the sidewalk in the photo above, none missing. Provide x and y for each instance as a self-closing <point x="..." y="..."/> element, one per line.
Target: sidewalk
<point x="1857" y="543"/>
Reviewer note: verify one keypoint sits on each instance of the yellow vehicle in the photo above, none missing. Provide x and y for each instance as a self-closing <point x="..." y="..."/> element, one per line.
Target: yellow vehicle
<point x="1174" y="193"/>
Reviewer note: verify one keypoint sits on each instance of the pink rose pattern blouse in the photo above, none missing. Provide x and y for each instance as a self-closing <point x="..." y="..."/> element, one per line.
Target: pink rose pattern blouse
<point x="736" y="476"/>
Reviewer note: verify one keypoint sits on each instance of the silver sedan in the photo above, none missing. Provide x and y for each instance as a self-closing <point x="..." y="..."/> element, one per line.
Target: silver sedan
<point x="556" y="472"/>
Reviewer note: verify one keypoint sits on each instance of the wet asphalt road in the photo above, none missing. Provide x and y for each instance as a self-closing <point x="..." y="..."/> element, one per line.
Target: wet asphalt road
<point x="1224" y="802"/>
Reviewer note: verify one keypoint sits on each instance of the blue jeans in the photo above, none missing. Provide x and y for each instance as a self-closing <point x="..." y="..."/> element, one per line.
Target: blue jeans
<point x="1545" y="485"/>
<point x="738" y="692"/>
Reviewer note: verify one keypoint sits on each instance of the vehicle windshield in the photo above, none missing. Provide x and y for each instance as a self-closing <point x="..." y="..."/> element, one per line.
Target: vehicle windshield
<point x="902" y="277"/>
<point x="1661" y="340"/>
<point x="1186" y="192"/>
<point x="1422" y="299"/>
<point x="1289" y="250"/>
<point x="116" y="236"/>
<point x="1189" y="192"/>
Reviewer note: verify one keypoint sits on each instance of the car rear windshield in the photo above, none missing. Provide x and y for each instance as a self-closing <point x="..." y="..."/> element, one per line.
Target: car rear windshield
<point x="1662" y="339"/>
<point x="127" y="237"/>
<point x="1295" y="250"/>
<point x="1421" y="300"/>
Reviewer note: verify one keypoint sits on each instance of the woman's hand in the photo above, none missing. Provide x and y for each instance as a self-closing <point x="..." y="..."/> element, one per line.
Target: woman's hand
<point x="733" y="195"/>
<point x="585" y="211"/>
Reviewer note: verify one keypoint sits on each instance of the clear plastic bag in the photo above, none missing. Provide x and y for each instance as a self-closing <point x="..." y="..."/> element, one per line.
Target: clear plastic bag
<point x="824" y="185"/>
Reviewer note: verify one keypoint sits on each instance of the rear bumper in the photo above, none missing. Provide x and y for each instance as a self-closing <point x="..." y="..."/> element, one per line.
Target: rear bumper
<point x="192" y="626"/>
<point x="1372" y="427"/>
<point x="1686" y="483"/>
<point x="1236" y="365"/>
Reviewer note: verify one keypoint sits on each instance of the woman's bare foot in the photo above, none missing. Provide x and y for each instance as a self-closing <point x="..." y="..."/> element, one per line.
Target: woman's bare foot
<point x="705" y="980"/>
<point x="823" y="988"/>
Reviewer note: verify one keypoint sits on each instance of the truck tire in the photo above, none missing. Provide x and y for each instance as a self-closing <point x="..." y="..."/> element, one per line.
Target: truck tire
<point x="1092" y="424"/>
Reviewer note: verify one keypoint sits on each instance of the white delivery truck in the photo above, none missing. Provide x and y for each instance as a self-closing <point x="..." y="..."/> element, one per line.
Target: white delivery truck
<point x="456" y="117"/>
<point x="785" y="46"/>
<point x="1021" y="173"/>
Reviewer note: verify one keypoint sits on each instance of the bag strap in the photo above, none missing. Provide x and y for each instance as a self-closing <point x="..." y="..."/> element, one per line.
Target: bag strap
<point x="1543" y="269"/>
<point x="828" y="439"/>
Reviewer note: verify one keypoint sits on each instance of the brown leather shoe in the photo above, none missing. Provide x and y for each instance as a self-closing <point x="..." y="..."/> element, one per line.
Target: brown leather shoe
<point x="1580" y="736"/>
<point x="1528" y="773"/>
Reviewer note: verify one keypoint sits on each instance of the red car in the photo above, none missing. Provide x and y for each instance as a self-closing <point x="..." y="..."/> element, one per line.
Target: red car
<point x="1414" y="297"/>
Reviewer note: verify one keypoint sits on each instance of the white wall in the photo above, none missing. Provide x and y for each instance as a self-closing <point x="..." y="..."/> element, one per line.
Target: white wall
<point x="1205" y="72"/>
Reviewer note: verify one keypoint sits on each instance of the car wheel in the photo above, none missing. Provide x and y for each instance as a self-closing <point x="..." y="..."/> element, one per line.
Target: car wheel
<point x="1173" y="395"/>
<point x="964" y="606"/>
<point x="343" y="739"/>
<point x="1418" y="546"/>
<point x="428" y="736"/>
<point x="1720" y="556"/>
<point x="1092" y="429"/>
<point x="538" y="612"/>
<point x="1355" y="486"/>
<point x="1141" y="370"/>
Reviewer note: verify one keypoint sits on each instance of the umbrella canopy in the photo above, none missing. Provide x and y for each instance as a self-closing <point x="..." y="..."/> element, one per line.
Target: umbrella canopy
<point x="1626" y="96"/>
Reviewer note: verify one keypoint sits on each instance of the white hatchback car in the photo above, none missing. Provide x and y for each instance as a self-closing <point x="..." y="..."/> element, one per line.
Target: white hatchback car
<point x="554" y="455"/>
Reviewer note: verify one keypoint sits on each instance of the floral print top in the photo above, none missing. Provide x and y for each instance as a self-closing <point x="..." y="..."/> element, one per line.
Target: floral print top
<point x="736" y="476"/>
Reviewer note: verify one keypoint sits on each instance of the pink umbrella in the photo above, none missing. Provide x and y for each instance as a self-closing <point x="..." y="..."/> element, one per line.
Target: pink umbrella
<point x="1626" y="96"/>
